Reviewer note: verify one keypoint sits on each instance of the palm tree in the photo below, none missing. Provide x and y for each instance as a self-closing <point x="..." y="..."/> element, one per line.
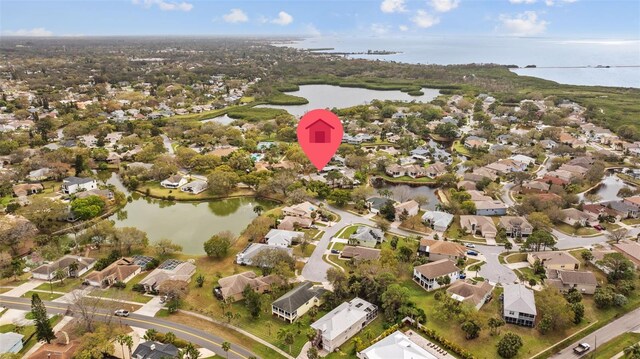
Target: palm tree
<point x="120" y="340"/>
<point x="73" y="268"/>
<point x="286" y="336"/>
<point x="150" y="335"/>
<point x="226" y="346"/>
<point x="191" y="352"/>
<point x="632" y="351"/>
<point x="59" y="274"/>
<point x="128" y="341"/>
<point x="170" y="338"/>
<point x="258" y="209"/>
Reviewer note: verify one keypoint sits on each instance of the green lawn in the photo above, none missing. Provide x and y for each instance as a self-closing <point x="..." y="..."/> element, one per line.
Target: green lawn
<point x="346" y="233"/>
<point x="631" y="221"/>
<point x="570" y="230"/>
<point x="297" y="250"/>
<point x="27" y="331"/>
<point x="65" y="286"/>
<point x="126" y="293"/>
<point x="516" y="258"/>
<point x="615" y="346"/>
<point x="342" y="263"/>
<point x="338" y="246"/>
<point x="43" y="295"/>
<point x="405" y="179"/>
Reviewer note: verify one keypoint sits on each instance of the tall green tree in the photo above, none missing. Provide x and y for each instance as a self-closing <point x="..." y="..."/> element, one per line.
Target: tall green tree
<point x="509" y="345"/>
<point x="44" y="332"/>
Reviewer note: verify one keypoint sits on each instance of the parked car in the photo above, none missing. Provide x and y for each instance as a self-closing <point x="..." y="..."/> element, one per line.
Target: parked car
<point x="335" y="251"/>
<point x="462" y="276"/>
<point x="598" y="227"/>
<point x="469" y="245"/>
<point x="472" y="253"/>
<point x="121" y="313"/>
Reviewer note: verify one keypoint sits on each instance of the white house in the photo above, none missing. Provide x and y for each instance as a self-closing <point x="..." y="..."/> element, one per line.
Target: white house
<point x="10" y="342"/>
<point x="281" y="237"/>
<point x="519" y="305"/>
<point x="343" y="322"/>
<point x="439" y="221"/>
<point x="432" y="275"/>
<point x="396" y="345"/>
<point x="71" y="185"/>
<point x="195" y="187"/>
<point x="173" y="182"/>
<point x="66" y="263"/>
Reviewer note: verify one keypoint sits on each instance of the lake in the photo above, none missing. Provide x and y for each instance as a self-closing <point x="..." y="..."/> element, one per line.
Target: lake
<point x="608" y="190"/>
<point x="504" y="50"/>
<point x="189" y="224"/>
<point x="329" y="96"/>
<point x="402" y="193"/>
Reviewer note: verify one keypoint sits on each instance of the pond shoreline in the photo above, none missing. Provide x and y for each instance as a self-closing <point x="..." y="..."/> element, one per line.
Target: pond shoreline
<point x="208" y="199"/>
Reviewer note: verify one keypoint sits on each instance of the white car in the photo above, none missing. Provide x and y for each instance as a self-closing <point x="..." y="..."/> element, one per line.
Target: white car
<point x="121" y="313"/>
<point x="469" y="245"/>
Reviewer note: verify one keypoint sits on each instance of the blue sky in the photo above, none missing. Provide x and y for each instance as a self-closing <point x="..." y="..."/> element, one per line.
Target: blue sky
<point x="386" y="18"/>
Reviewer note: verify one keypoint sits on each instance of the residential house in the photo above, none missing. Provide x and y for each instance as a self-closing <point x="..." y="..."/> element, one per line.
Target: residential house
<point x="485" y="172"/>
<point x="565" y="280"/>
<point x="155" y="350"/>
<point x="231" y="287"/>
<point x="437" y="220"/>
<point x="375" y="204"/>
<point x="475" y="142"/>
<point x="174" y="182"/>
<point x="481" y="225"/>
<point x="515" y="227"/>
<point x="27" y="189"/>
<point x="436" y="250"/>
<point x="547" y="144"/>
<point x="367" y="236"/>
<point x="103" y="193"/>
<point x="304" y="209"/>
<point x="534" y="187"/>
<point x="625" y="209"/>
<point x="360" y="253"/>
<point x="343" y="322"/>
<point x="490" y="208"/>
<point x="475" y="294"/>
<point x="290" y="223"/>
<point x="282" y="238"/>
<point x="169" y="270"/>
<point x="573" y="217"/>
<point x="576" y="171"/>
<point x="396" y="345"/>
<point x="629" y="249"/>
<point x="246" y="256"/>
<point x="633" y="201"/>
<point x="554" y="260"/>
<point x="406" y="209"/>
<point x="519" y="305"/>
<point x="121" y="270"/>
<point x="601" y="212"/>
<point x="415" y="171"/>
<point x="395" y="171"/>
<point x="466" y="185"/>
<point x="10" y="342"/>
<point x="523" y="159"/>
<point x="432" y="275"/>
<point x="296" y="302"/>
<point x="195" y="187"/>
<point x="71" y="185"/>
<point x="437" y="169"/>
<point x="40" y="174"/>
<point x="48" y="271"/>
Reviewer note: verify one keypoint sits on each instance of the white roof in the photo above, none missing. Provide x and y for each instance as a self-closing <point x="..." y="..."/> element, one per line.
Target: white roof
<point x="438" y="218"/>
<point x="8" y="341"/>
<point x="519" y="298"/>
<point x="281" y="236"/>
<point x="342" y="317"/>
<point x="396" y="346"/>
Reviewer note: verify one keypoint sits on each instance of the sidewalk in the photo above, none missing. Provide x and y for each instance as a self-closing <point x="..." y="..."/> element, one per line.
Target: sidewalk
<point x="23" y="288"/>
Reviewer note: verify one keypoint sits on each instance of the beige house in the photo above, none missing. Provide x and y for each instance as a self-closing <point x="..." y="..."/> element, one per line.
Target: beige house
<point x="515" y="226"/>
<point x="296" y="302"/>
<point x="121" y="270"/>
<point x="437" y="250"/>
<point x="479" y="225"/>
<point x="342" y="323"/>
<point x="554" y="260"/>
<point x="303" y="209"/>
<point x="430" y="276"/>
<point x="574" y="217"/>
<point x="629" y="249"/>
<point x="564" y="280"/>
<point x="475" y="294"/>
<point x="231" y="287"/>
<point x="409" y="208"/>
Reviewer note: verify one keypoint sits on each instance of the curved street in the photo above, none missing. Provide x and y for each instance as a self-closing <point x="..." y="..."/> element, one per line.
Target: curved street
<point x="198" y="337"/>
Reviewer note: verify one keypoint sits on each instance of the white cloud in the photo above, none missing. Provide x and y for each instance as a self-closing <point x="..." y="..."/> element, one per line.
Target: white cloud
<point x="380" y="29"/>
<point x="165" y="5"/>
<point x="283" y="19"/>
<point x="424" y="20"/>
<point x="312" y="30"/>
<point x="524" y="24"/>
<point x="391" y="6"/>
<point x="444" y="5"/>
<point x="559" y="2"/>
<point x="35" y="32"/>
<point x="523" y="1"/>
<point x="403" y="27"/>
<point x="235" y="16"/>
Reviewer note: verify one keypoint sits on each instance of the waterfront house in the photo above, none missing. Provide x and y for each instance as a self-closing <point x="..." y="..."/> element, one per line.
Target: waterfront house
<point x="48" y="271"/>
<point x="174" y="182"/>
<point x="71" y="185"/>
<point x="121" y="270"/>
<point x="304" y="209"/>
<point x="282" y="238"/>
<point x="246" y="256"/>
<point x="409" y="208"/>
<point x="572" y="217"/>
<point x="437" y="220"/>
<point x="195" y="187"/>
<point x="169" y="270"/>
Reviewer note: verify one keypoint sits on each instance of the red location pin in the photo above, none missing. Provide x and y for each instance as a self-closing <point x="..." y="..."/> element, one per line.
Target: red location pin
<point x="320" y="134"/>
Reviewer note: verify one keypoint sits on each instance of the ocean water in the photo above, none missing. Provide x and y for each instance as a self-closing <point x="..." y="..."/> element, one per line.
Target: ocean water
<point x="562" y="60"/>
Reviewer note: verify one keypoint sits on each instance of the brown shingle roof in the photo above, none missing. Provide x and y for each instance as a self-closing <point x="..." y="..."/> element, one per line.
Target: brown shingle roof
<point x="443" y="247"/>
<point x="437" y="269"/>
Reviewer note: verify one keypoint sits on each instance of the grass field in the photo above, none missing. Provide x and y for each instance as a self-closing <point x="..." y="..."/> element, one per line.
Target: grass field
<point x="615" y="346"/>
<point x="156" y="190"/>
<point x="516" y="257"/>
<point x="28" y="331"/>
<point x="297" y="250"/>
<point x="66" y="286"/>
<point x="42" y="295"/>
<point x="570" y="230"/>
<point x="346" y="233"/>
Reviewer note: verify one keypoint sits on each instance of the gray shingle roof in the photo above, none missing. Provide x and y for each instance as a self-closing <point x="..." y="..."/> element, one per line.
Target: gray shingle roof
<point x="298" y="296"/>
<point x="519" y="299"/>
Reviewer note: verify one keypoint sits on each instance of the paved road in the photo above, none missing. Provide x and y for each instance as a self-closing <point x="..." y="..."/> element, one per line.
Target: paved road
<point x="198" y="337"/>
<point x="627" y="323"/>
<point x="493" y="270"/>
<point x="316" y="268"/>
<point x="505" y="196"/>
<point x="167" y="143"/>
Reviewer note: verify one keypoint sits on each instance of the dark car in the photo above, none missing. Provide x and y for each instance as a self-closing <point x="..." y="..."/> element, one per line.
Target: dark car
<point x="472" y="253"/>
<point x="335" y="251"/>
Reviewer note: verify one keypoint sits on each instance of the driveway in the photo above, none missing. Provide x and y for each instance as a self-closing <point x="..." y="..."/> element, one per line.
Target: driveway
<point x="167" y="143"/>
<point x="493" y="270"/>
